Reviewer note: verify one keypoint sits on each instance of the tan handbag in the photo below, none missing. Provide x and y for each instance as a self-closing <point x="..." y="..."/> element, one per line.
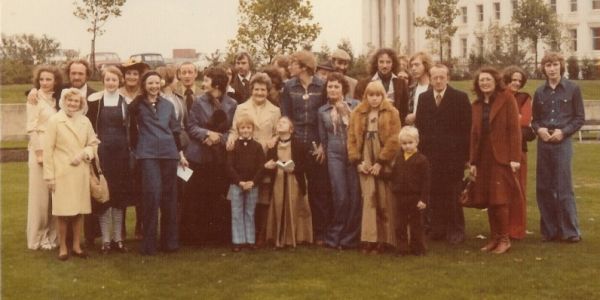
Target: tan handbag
<point x="98" y="184"/>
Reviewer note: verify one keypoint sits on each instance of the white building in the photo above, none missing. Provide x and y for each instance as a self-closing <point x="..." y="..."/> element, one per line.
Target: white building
<point x="390" y="23"/>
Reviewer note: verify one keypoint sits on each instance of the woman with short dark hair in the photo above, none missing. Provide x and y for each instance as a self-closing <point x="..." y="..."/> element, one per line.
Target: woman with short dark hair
<point x="205" y="214"/>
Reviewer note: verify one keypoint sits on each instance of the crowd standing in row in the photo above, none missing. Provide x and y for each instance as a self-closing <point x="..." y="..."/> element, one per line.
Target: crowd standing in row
<point x="290" y="156"/>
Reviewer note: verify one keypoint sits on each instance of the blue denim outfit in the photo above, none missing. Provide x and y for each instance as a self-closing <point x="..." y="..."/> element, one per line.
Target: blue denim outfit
<point x="243" y="204"/>
<point x="559" y="108"/>
<point x="344" y="229"/>
<point x="156" y="145"/>
<point x="301" y="106"/>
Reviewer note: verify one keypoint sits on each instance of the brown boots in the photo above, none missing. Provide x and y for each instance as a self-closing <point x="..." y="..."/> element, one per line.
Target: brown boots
<point x="499" y="244"/>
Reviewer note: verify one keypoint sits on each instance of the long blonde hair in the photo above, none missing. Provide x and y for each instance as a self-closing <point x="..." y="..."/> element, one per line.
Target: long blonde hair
<point x="375" y="88"/>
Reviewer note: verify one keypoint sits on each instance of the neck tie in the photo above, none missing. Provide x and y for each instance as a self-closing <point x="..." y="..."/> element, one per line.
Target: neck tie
<point x="189" y="99"/>
<point x="438" y="99"/>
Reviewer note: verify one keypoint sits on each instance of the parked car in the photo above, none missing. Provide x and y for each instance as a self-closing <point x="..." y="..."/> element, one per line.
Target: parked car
<point x="154" y="60"/>
<point x="105" y="59"/>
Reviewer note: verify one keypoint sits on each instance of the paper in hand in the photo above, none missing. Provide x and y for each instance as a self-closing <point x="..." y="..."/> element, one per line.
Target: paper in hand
<point x="184" y="173"/>
<point x="286" y="166"/>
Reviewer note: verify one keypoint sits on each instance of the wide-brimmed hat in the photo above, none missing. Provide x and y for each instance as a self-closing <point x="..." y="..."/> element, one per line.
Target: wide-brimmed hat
<point x="134" y="63"/>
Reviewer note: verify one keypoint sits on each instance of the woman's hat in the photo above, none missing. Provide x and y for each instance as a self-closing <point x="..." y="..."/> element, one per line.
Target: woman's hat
<point x="134" y="63"/>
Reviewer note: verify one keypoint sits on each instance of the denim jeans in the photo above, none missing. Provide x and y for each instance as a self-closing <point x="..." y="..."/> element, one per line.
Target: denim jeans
<point x="159" y="191"/>
<point x="554" y="191"/>
<point x="243" y="204"/>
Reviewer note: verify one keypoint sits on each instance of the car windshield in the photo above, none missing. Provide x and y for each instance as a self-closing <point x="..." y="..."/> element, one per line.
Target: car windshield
<point x="153" y="57"/>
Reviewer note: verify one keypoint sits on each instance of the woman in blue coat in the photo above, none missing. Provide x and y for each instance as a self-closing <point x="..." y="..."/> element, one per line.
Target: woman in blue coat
<point x="154" y="137"/>
<point x="344" y="229"/>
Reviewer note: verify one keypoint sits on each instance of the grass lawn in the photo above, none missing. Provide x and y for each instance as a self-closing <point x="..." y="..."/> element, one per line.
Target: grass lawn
<point x="531" y="270"/>
<point x="14" y="93"/>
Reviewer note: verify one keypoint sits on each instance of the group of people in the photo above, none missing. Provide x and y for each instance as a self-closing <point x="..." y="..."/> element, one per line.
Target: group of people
<point x="296" y="154"/>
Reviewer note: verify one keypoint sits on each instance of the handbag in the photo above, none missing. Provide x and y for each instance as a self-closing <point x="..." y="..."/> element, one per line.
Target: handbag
<point x="528" y="134"/>
<point x="98" y="185"/>
<point x="465" y="198"/>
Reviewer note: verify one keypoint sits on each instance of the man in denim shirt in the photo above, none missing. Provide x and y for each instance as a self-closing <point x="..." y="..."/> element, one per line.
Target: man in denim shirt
<point x="300" y="101"/>
<point x="557" y="114"/>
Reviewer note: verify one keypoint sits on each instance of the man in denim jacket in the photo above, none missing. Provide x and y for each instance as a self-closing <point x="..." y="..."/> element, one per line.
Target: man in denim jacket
<point x="557" y="114"/>
<point x="300" y="101"/>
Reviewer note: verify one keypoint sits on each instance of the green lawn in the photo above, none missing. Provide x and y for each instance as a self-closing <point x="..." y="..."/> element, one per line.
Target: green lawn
<point x="15" y="93"/>
<point x="531" y="270"/>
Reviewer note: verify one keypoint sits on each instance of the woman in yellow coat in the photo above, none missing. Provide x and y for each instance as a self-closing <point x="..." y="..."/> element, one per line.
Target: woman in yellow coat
<point x="69" y="146"/>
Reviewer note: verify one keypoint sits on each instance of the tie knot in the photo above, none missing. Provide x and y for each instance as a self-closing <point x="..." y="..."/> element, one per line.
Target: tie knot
<point x="188" y="91"/>
<point x="245" y="81"/>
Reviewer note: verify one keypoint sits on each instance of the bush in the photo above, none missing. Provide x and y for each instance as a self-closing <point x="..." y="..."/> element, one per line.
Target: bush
<point x="589" y="70"/>
<point x="13" y="71"/>
<point x="573" y="67"/>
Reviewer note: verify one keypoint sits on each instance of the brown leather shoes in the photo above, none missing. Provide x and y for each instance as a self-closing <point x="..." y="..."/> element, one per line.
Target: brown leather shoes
<point x="503" y="245"/>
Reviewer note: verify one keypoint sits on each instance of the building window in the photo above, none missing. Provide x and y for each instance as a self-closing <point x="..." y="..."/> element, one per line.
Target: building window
<point x="596" y="38"/>
<point x="464" y="14"/>
<point x="480" y="12"/>
<point x="463" y="43"/>
<point x="553" y="5"/>
<point x="595" y="4"/>
<point x="497" y="10"/>
<point x="573" y="5"/>
<point x="573" y="36"/>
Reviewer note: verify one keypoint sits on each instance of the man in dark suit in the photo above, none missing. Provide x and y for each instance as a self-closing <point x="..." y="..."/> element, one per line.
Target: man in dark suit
<point x="444" y="122"/>
<point x="241" y="79"/>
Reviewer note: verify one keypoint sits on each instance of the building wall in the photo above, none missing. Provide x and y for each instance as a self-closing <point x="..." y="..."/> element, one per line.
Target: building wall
<point x="380" y="29"/>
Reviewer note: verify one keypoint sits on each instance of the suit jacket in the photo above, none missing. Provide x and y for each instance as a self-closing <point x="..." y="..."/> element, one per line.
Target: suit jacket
<point x="505" y="131"/>
<point x="410" y="179"/>
<point x="242" y="93"/>
<point x="199" y="119"/>
<point x="154" y="134"/>
<point x="444" y="130"/>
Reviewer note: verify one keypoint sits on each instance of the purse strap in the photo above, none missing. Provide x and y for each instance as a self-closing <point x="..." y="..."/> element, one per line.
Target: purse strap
<point x="96" y="164"/>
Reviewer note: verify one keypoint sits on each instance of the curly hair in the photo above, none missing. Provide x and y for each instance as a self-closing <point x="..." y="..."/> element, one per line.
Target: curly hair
<point x="497" y="78"/>
<point x="88" y="68"/>
<point x="335" y="76"/>
<point x="375" y="57"/>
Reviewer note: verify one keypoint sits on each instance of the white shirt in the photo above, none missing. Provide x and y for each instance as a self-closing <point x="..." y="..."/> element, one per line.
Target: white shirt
<point x="418" y="91"/>
<point x="111" y="99"/>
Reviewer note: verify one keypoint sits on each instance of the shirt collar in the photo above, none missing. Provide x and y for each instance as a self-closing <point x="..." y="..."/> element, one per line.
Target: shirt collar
<point x="560" y="83"/>
<point x="247" y="77"/>
<point x="435" y="93"/>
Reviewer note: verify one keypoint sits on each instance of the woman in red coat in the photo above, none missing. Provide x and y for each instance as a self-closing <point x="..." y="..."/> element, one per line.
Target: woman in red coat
<point x="495" y="153"/>
<point x="515" y="79"/>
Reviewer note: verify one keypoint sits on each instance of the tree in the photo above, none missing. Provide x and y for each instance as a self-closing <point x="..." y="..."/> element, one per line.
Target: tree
<point x="573" y="67"/>
<point x="323" y="54"/>
<point x="536" y="22"/>
<point x="21" y="52"/>
<point x="97" y="13"/>
<point x="214" y="59"/>
<point x="439" y="20"/>
<point x="270" y="27"/>
<point x="28" y="49"/>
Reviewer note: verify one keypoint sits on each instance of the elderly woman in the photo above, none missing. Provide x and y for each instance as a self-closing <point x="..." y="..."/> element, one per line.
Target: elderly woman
<point x="41" y="232"/>
<point x="265" y="116"/>
<point x="515" y="79"/>
<point x="69" y="145"/>
<point x="372" y="145"/>
<point x="155" y="140"/>
<point x="344" y="229"/>
<point x="495" y="152"/>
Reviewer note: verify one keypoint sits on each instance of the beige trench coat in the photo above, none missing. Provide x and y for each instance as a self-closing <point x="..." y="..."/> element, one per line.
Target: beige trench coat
<point x="67" y="137"/>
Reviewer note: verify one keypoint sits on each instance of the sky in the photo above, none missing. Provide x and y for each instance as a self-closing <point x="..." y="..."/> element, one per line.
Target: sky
<point x="161" y="25"/>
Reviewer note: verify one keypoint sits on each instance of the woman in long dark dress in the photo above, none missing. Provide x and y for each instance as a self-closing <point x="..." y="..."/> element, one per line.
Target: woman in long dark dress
<point x="111" y="127"/>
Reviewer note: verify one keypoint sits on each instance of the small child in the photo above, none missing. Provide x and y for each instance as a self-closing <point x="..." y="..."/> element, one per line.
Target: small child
<point x="289" y="220"/>
<point x="244" y="167"/>
<point x="410" y="184"/>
